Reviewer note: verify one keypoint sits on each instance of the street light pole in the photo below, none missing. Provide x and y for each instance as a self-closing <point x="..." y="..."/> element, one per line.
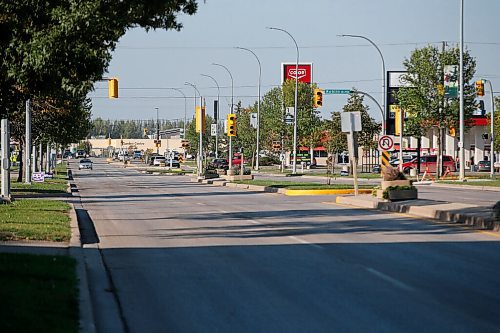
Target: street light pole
<point x="200" y="144"/>
<point x="230" y="157"/>
<point x="384" y="85"/>
<point x="185" y="111"/>
<point x="216" y="120"/>
<point x="492" y="151"/>
<point x="461" y="82"/>
<point x="295" y="112"/>
<point x="258" y="106"/>
<point x="157" y="132"/>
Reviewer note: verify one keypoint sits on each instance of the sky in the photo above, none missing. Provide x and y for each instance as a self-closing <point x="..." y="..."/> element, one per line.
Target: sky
<point x="149" y="64"/>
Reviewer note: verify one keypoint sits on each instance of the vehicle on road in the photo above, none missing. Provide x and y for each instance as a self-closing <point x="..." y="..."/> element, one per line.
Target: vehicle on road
<point x="137" y="154"/>
<point x="429" y="163"/>
<point x="85" y="164"/>
<point x="159" y="161"/>
<point x="80" y="153"/>
<point x="484" y="166"/>
<point x="174" y="162"/>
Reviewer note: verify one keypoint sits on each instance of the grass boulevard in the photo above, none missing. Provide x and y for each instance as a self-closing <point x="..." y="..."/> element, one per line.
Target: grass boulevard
<point x="39" y="292"/>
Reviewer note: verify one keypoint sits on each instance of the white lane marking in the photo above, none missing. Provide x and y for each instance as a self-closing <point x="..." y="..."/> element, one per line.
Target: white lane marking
<point x="389" y="279"/>
<point x="297" y="239"/>
<point x="300" y="240"/>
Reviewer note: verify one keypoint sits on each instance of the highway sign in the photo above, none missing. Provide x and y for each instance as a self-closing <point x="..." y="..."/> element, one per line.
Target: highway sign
<point x="386" y="142"/>
<point x="337" y="91"/>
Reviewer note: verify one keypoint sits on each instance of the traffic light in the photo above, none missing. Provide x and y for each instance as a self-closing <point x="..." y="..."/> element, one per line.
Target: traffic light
<point x="276" y="146"/>
<point x="479" y="88"/>
<point x="398" y="126"/>
<point x="231" y="124"/>
<point x="113" y="88"/>
<point x="200" y="119"/>
<point x="145" y="132"/>
<point x="452" y="131"/>
<point x="318" y="98"/>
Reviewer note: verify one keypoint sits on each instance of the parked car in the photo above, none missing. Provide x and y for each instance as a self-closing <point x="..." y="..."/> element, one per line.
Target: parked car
<point x="219" y="163"/>
<point x="85" y="164"/>
<point x="80" y="153"/>
<point x="484" y="166"/>
<point x="159" y="160"/>
<point x="429" y="163"/>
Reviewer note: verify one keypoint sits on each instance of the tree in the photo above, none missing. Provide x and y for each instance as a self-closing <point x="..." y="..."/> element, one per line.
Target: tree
<point x="334" y="140"/>
<point x="423" y="99"/>
<point x="370" y="128"/>
<point x="53" y="51"/>
<point x="496" y="126"/>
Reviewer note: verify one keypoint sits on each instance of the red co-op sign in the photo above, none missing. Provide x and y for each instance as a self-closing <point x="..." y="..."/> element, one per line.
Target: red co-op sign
<point x="303" y="74"/>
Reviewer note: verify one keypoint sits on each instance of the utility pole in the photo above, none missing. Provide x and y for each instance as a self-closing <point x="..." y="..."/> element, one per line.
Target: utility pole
<point x="27" y="146"/>
<point x="5" y="139"/>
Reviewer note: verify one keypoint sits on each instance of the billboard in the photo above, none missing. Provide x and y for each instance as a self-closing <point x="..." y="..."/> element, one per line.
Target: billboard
<point x="304" y="73"/>
<point x="395" y="80"/>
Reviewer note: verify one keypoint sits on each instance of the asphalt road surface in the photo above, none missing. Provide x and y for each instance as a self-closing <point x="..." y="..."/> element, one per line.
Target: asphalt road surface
<point x="187" y="257"/>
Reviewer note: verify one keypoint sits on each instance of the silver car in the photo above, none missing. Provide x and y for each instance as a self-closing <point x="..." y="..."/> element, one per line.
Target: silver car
<point x="85" y="164"/>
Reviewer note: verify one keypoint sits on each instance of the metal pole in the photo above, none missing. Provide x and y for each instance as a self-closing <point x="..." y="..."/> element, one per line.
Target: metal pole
<point x="5" y="163"/>
<point x="295" y="111"/>
<point x="258" y="106"/>
<point x="461" y="82"/>
<point x="230" y="157"/>
<point x="492" y="144"/>
<point x="200" y="145"/>
<point x="48" y="158"/>
<point x="185" y="109"/>
<point x="384" y="85"/>
<point x="157" y="131"/>
<point x="216" y="120"/>
<point x="27" y="146"/>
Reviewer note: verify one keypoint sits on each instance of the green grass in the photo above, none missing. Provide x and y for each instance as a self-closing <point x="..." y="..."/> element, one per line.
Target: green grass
<point x="38" y="293"/>
<point x="299" y="185"/>
<point x="55" y="185"/>
<point x="35" y="219"/>
<point x="494" y="183"/>
<point x="61" y="170"/>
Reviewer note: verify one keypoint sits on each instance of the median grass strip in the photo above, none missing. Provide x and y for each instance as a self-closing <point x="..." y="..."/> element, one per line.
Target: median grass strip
<point x="493" y="183"/>
<point x="38" y="293"/>
<point x="300" y="185"/>
<point x="34" y="219"/>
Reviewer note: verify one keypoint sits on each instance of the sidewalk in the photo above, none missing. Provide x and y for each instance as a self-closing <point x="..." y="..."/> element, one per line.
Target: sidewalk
<point x="480" y="217"/>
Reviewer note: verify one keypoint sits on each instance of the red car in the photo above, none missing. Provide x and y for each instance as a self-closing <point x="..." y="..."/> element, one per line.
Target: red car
<point x="429" y="162"/>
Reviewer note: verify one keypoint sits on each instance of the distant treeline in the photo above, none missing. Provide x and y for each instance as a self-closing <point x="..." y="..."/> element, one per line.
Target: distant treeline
<point x="131" y="129"/>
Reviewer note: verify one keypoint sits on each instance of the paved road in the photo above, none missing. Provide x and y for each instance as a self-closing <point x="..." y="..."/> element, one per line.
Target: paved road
<point x="186" y="257"/>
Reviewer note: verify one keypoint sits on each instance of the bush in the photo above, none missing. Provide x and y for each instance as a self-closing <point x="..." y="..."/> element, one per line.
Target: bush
<point x="269" y="160"/>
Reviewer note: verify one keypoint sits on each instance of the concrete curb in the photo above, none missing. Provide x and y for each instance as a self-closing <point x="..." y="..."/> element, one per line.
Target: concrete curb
<point x="471" y="215"/>
<point x="327" y="192"/>
<point x="87" y="320"/>
<point x="471" y="187"/>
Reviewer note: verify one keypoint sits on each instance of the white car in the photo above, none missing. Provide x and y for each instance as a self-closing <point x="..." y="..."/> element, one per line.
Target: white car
<point x="85" y="164"/>
<point x="159" y="161"/>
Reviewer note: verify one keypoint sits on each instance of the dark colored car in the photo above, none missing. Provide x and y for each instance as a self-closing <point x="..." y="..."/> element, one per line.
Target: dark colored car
<point x="484" y="166"/>
<point x="219" y="163"/>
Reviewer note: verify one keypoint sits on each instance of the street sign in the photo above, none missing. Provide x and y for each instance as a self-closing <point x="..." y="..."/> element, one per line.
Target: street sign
<point x="386" y="142"/>
<point x="38" y="177"/>
<point x="253" y="120"/>
<point x="351" y="122"/>
<point x="213" y="129"/>
<point x="337" y="91"/>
